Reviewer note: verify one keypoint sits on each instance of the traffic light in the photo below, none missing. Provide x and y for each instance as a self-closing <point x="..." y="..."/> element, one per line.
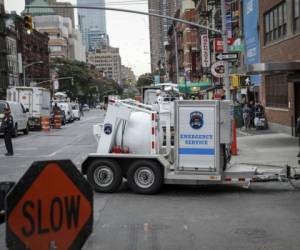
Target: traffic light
<point x="28" y="23"/>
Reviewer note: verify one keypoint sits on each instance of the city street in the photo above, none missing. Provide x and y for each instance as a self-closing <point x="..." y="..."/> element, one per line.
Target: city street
<point x="265" y="216"/>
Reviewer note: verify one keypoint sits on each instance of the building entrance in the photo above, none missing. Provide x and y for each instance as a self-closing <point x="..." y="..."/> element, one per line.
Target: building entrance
<point x="297" y="101"/>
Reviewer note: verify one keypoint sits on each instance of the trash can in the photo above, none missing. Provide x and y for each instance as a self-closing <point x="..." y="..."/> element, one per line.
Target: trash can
<point x="238" y="116"/>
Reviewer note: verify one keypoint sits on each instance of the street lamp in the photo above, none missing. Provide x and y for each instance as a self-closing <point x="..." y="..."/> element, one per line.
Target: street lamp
<point x="25" y="67"/>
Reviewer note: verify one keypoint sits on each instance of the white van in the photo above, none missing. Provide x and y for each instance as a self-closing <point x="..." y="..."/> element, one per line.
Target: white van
<point x="19" y="114"/>
<point x="67" y="108"/>
<point x="76" y="111"/>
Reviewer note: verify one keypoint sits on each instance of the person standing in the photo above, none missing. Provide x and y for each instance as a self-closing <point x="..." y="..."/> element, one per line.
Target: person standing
<point x="247" y="116"/>
<point x="7" y="126"/>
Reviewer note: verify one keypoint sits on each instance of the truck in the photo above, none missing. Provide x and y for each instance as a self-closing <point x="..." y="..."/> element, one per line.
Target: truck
<point x="35" y="99"/>
<point x="130" y="146"/>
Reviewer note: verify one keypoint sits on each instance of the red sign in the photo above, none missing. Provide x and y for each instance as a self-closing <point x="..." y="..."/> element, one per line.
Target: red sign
<point x="218" y="44"/>
<point x="50" y="207"/>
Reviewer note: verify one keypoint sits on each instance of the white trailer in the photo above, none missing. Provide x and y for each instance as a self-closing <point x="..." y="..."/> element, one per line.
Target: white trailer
<point x="35" y="99"/>
<point x="130" y="146"/>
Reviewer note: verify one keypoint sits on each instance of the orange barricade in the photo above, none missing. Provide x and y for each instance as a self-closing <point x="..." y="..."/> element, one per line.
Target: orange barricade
<point x="234" y="149"/>
<point x="57" y="121"/>
<point x="45" y="123"/>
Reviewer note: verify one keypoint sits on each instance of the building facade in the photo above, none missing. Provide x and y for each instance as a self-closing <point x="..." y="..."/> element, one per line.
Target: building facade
<point x="108" y="61"/>
<point x="280" y="38"/>
<point x="3" y="53"/>
<point x="127" y="76"/>
<point x="59" y="30"/>
<point x="64" y="12"/>
<point x="78" y="51"/>
<point x="12" y="54"/>
<point x="158" y="29"/>
<point x="88" y="19"/>
<point x="30" y="49"/>
<point x="96" y="39"/>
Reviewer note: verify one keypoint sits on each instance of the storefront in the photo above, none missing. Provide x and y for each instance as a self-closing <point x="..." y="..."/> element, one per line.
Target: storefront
<point x="280" y="93"/>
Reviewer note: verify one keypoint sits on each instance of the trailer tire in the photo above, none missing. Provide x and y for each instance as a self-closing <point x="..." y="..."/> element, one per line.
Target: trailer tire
<point x="105" y="176"/>
<point x="145" y="177"/>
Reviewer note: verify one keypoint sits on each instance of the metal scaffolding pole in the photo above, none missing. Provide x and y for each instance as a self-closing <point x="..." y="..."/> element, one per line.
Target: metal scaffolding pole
<point x="225" y="49"/>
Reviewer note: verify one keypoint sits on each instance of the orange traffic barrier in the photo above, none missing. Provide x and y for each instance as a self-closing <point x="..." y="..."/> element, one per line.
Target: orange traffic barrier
<point x="234" y="149"/>
<point x="45" y="123"/>
<point x="57" y="121"/>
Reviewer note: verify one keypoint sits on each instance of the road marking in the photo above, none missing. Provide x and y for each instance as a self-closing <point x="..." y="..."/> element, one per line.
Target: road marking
<point x="61" y="149"/>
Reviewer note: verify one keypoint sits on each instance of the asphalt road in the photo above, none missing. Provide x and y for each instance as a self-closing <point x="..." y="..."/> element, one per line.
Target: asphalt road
<point x="265" y="216"/>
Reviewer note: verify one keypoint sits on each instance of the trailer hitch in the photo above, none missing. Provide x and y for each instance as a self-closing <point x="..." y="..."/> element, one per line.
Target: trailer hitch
<point x="5" y="187"/>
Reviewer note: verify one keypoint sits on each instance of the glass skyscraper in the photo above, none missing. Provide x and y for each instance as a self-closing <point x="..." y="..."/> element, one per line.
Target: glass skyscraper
<point x="91" y="19"/>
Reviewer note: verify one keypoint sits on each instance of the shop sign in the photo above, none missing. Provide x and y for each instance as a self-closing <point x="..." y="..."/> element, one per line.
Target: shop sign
<point x="205" y="51"/>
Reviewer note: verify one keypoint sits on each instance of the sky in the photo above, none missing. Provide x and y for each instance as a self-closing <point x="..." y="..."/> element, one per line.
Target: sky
<point x="129" y="32"/>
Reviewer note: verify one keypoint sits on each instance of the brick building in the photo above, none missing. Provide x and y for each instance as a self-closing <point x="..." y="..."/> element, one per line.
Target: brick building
<point x="32" y="48"/>
<point x="159" y="28"/>
<point x="280" y="54"/>
<point x="3" y="53"/>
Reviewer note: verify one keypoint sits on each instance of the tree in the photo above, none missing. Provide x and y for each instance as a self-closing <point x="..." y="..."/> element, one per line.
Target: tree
<point x="145" y="80"/>
<point x="86" y="86"/>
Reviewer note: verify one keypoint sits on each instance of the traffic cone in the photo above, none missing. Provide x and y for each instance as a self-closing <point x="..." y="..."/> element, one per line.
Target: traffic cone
<point x="234" y="149"/>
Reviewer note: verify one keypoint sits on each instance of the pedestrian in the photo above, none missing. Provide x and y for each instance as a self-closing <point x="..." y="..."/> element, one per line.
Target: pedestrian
<point x="247" y="116"/>
<point x="7" y="126"/>
<point x="252" y="113"/>
<point x="259" y="108"/>
<point x="81" y="109"/>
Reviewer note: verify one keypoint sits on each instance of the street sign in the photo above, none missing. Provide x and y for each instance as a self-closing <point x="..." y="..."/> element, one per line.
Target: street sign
<point x="51" y="207"/>
<point x="227" y="56"/>
<point x="205" y="51"/>
<point x="217" y="69"/>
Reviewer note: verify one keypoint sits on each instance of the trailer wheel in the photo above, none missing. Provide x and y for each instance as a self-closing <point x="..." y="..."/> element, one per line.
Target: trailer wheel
<point x="105" y="176"/>
<point x="145" y="177"/>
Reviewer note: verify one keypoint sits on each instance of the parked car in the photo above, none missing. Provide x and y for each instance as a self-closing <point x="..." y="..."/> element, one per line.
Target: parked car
<point x="85" y="107"/>
<point x="19" y="114"/>
<point x="76" y="111"/>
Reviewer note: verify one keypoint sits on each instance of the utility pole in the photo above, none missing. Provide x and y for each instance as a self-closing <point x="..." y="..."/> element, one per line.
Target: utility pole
<point x="176" y="55"/>
<point x="225" y="49"/>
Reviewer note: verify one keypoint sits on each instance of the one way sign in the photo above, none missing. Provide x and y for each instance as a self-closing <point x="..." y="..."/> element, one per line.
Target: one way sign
<point x="227" y="56"/>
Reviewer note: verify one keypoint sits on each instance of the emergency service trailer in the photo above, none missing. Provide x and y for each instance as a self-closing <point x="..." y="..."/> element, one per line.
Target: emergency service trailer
<point x="199" y="156"/>
<point x="35" y="99"/>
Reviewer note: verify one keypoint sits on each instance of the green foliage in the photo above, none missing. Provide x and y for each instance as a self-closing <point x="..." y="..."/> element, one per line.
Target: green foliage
<point x="145" y="80"/>
<point x="87" y="85"/>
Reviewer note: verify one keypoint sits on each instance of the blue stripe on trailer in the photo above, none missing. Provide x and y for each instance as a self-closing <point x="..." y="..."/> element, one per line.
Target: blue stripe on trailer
<point x="196" y="151"/>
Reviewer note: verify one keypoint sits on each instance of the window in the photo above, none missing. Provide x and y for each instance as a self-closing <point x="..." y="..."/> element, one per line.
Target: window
<point x="55" y="48"/>
<point x="275" y="23"/>
<point x="296" y="15"/>
<point x="277" y="91"/>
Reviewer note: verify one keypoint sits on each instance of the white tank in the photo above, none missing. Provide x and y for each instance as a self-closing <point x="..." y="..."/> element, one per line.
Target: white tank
<point x="137" y="134"/>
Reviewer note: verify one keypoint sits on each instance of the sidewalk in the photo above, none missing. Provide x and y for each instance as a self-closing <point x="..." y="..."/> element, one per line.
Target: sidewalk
<point x="272" y="149"/>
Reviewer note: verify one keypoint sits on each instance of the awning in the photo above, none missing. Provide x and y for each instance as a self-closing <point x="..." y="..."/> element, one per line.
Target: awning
<point x="276" y="67"/>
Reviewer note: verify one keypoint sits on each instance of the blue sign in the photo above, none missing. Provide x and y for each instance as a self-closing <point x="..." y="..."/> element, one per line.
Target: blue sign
<point x="251" y="32"/>
<point x="107" y="128"/>
<point x="196" y="120"/>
